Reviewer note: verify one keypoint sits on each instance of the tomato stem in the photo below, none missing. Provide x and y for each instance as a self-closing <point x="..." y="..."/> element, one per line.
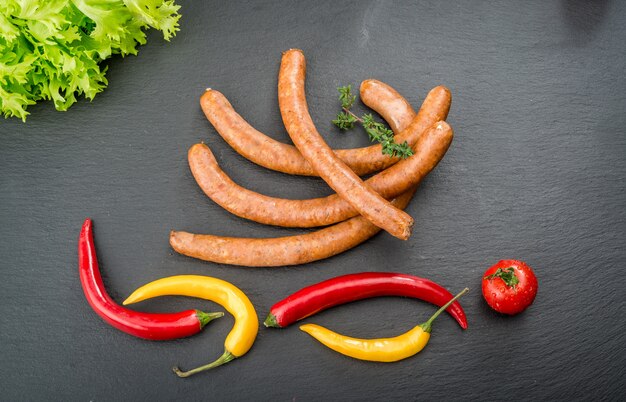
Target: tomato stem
<point x="427" y="326"/>
<point x="507" y="275"/>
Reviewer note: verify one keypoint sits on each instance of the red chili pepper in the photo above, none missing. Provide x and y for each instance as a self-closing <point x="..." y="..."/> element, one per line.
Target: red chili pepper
<point x="152" y="326"/>
<point x="352" y="287"/>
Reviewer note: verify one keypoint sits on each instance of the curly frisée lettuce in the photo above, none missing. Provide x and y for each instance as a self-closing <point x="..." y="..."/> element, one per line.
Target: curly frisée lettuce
<point x="51" y="49"/>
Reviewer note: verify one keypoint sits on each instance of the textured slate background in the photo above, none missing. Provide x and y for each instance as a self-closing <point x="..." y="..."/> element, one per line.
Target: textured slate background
<point x="536" y="172"/>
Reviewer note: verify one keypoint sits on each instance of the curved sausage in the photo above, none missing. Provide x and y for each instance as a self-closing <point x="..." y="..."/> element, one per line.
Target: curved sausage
<point x="248" y="141"/>
<point x="313" y="246"/>
<point x="429" y="150"/>
<point x="275" y="155"/>
<point x="397" y="111"/>
<point x="294" y="111"/>
<point x="280" y="251"/>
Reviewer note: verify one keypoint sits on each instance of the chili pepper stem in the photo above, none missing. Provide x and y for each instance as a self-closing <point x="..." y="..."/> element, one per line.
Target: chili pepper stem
<point x="225" y="358"/>
<point x="271" y="321"/>
<point x="206" y="318"/>
<point x="427" y="326"/>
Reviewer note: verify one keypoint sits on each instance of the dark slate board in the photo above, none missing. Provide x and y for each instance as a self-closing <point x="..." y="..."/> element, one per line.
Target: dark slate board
<point x="536" y="172"/>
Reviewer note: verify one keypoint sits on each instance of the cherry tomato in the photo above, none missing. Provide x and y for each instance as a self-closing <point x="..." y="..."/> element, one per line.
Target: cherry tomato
<point x="509" y="287"/>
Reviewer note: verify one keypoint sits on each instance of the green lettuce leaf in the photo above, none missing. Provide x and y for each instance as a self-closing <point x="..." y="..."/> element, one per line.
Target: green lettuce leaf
<point x="52" y="49"/>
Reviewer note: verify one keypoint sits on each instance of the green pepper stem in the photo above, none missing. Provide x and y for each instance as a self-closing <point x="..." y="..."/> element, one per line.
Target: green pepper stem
<point x="270" y="321"/>
<point x="427" y="326"/>
<point x="225" y="358"/>
<point x="206" y="318"/>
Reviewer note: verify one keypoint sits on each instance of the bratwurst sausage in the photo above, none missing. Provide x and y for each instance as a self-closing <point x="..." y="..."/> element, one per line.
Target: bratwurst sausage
<point x="275" y="155"/>
<point x="384" y="100"/>
<point x="397" y="111"/>
<point x="310" y="247"/>
<point x="429" y="150"/>
<point x="280" y="251"/>
<point x="294" y="111"/>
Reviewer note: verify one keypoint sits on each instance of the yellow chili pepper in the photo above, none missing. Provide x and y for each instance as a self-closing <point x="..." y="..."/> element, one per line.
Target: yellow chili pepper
<point x="383" y="349"/>
<point x="243" y="334"/>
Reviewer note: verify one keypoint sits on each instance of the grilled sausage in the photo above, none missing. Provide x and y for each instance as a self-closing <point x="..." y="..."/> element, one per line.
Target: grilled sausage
<point x="294" y="111"/>
<point x="391" y="182"/>
<point x="275" y="155"/>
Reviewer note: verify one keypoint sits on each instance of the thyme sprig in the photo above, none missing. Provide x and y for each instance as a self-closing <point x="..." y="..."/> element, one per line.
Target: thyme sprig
<point x="376" y="131"/>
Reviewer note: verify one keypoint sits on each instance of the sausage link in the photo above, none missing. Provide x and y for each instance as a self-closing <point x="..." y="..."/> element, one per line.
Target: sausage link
<point x="275" y="155"/>
<point x="280" y="251"/>
<point x="294" y="111"/>
<point x="429" y="150"/>
<point x="309" y="247"/>
<point x="248" y="141"/>
<point x="394" y="108"/>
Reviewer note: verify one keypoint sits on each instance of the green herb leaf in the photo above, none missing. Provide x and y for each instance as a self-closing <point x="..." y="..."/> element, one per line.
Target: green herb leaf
<point x="368" y="120"/>
<point x="345" y="121"/>
<point x="380" y="133"/>
<point x="377" y="132"/>
<point x="402" y="151"/>
<point x="346" y="97"/>
<point x="507" y="275"/>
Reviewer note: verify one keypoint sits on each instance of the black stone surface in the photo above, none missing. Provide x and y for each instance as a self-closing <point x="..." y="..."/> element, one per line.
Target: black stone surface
<point x="536" y="172"/>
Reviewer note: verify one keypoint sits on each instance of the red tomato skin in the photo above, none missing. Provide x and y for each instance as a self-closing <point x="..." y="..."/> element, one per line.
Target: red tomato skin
<point x="509" y="300"/>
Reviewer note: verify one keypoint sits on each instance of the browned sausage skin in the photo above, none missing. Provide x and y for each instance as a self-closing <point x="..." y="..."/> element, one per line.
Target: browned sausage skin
<point x="249" y="142"/>
<point x="294" y="111"/>
<point x="391" y="182"/>
<point x="280" y="251"/>
<point x="275" y="155"/>
<point x="395" y="109"/>
<point x="305" y="248"/>
<point x="291" y="213"/>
